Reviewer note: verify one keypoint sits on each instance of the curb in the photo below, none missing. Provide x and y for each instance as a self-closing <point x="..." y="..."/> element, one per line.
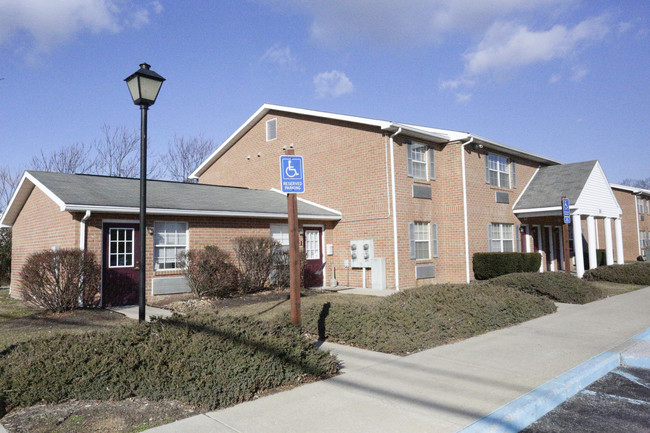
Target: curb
<point x="525" y="410"/>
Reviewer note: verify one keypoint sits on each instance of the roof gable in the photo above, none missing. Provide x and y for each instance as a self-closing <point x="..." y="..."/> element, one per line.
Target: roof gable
<point x="78" y="192"/>
<point x="583" y="183"/>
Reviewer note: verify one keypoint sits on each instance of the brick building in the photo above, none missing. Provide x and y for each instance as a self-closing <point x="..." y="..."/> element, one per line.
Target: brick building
<point x="386" y="204"/>
<point x="427" y="199"/>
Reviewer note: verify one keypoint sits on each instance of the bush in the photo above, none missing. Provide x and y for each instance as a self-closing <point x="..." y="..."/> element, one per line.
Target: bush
<point x="5" y="256"/>
<point x="424" y="317"/>
<point x="281" y="273"/>
<point x="61" y="280"/>
<point x="490" y="265"/>
<point x="256" y="257"/>
<point x="209" y="362"/>
<point x="630" y="273"/>
<point x="210" y="273"/>
<point x="601" y="257"/>
<point x="558" y="286"/>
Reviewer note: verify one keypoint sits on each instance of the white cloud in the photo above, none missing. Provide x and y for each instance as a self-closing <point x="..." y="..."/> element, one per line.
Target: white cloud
<point x="332" y="84"/>
<point x="578" y="73"/>
<point x="48" y="23"/>
<point x="555" y="78"/>
<point x="280" y="56"/>
<point x="409" y="22"/>
<point x="507" y="46"/>
<point x="461" y="98"/>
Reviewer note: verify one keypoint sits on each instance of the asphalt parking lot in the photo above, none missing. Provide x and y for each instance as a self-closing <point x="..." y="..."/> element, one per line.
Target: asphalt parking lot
<point x="618" y="402"/>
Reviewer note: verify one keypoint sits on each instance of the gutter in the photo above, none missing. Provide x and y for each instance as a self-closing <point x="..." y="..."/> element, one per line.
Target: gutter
<point x="465" y="223"/>
<point x="82" y="231"/>
<point x="392" y="174"/>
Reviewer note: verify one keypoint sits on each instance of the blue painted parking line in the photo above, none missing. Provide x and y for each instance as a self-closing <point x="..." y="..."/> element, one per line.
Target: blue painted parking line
<point x="528" y="408"/>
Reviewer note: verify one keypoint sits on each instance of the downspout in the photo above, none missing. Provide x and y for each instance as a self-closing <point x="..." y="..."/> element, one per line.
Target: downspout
<point x="462" y="158"/>
<point x="82" y="231"/>
<point x="392" y="174"/>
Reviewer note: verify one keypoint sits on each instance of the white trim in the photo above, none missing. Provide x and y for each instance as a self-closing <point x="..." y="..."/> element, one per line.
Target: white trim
<point x="82" y="230"/>
<point x="328" y="209"/>
<point x="394" y="199"/>
<point x="153" y="243"/>
<point x="551" y="250"/>
<point x="132" y="253"/>
<point x="117" y="221"/>
<point x="35" y="183"/>
<point x="322" y="248"/>
<point x="187" y="212"/>
<point x="465" y="222"/>
<point x="631" y="189"/>
<point x="491" y="144"/>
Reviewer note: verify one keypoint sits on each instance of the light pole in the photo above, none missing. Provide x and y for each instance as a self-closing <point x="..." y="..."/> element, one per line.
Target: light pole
<point x="144" y="85"/>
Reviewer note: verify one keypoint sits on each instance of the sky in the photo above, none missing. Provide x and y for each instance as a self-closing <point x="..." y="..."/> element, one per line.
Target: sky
<point x="567" y="79"/>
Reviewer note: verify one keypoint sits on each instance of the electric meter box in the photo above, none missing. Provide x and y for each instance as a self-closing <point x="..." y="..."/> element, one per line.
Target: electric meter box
<point x="362" y="251"/>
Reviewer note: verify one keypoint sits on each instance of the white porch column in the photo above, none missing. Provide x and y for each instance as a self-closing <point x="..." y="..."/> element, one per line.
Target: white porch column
<point x="609" y="248"/>
<point x="561" y="263"/>
<point x="540" y="229"/>
<point x="591" y="241"/>
<point x="551" y="250"/>
<point x="619" y="241"/>
<point x="577" y="245"/>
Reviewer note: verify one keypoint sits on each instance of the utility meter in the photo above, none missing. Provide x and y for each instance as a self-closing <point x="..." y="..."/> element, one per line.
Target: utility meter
<point x="362" y="252"/>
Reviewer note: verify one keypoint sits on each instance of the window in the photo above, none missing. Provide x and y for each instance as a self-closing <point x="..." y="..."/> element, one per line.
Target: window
<point x="420" y="161"/>
<point x="170" y="239"/>
<point x="271" y="129"/>
<point x="421" y="240"/>
<point x="500" y="238"/>
<point x="497" y="170"/>
<point x="121" y="248"/>
<point x="280" y="234"/>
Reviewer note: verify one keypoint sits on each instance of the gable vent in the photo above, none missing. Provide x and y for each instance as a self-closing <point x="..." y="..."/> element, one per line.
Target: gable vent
<point x="271" y="129"/>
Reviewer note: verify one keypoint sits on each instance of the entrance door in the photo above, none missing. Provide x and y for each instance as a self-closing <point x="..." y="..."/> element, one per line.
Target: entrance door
<point x="314" y="258"/>
<point x="120" y="270"/>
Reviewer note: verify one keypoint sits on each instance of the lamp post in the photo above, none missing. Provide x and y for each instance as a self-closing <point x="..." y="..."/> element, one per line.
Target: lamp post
<point x="144" y="85"/>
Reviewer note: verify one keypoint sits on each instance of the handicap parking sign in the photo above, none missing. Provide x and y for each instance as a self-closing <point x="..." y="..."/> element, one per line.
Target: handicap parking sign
<point x="566" y="212"/>
<point x="292" y="174"/>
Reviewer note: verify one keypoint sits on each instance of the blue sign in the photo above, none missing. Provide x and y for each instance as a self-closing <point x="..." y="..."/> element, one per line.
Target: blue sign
<point x="293" y="175"/>
<point x="566" y="213"/>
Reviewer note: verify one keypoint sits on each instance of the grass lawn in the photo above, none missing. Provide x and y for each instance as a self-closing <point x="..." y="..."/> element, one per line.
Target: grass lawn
<point x="613" y="289"/>
<point x="19" y="322"/>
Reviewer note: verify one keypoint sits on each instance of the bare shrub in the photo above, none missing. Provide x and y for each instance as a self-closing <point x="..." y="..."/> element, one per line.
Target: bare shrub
<point x="281" y="275"/>
<point x="256" y="257"/>
<point x="210" y="272"/>
<point x="61" y="280"/>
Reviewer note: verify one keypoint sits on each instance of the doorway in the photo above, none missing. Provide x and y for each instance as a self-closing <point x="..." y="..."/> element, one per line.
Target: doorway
<point x="120" y="264"/>
<point x="313" y="238"/>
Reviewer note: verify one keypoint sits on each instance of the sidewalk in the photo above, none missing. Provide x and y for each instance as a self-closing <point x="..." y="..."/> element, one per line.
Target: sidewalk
<point x="444" y="389"/>
<point x="133" y="312"/>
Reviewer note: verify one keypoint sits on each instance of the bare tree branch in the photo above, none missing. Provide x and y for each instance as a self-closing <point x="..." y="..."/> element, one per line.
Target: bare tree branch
<point x="76" y="158"/>
<point x="637" y="183"/>
<point x="118" y="154"/>
<point x="185" y="155"/>
<point x="8" y="183"/>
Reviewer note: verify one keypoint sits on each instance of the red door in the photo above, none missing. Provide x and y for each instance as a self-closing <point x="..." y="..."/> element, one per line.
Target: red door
<point x="314" y="257"/>
<point x="120" y="259"/>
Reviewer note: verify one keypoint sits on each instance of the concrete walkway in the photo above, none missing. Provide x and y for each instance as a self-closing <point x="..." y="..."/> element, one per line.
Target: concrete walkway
<point x="447" y="388"/>
<point x="133" y="311"/>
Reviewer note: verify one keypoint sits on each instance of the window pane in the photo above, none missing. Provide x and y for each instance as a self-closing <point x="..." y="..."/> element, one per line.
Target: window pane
<point x="496" y="246"/>
<point x="504" y="180"/>
<point x="422" y="250"/>
<point x="507" y="246"/>
<point x="113" y="261"/>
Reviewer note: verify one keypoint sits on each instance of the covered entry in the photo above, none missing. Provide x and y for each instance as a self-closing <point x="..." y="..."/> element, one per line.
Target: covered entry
<point x="592" y="205"/>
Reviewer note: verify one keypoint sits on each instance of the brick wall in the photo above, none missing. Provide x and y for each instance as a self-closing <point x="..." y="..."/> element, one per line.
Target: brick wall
<point x="630" y="225"/>
<point x="347" y="168"/>
<point x="40" y="226"/>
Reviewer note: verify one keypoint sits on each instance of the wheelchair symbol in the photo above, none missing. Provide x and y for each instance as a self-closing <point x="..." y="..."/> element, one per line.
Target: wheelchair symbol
<point x="290" y="171"/>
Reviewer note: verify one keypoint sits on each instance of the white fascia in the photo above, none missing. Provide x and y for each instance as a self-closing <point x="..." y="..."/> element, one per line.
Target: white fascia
<point x="190" y="212"/>
<point x="21" y="185"/>
<point x="525" y="188"/>
<point x="329" y="209"/>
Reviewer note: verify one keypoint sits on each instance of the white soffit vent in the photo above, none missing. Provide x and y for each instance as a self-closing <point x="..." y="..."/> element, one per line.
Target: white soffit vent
<point x="271" y="129"/>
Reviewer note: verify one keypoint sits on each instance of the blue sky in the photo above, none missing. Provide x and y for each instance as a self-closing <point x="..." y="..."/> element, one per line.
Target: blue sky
<point x="565" y="79"/>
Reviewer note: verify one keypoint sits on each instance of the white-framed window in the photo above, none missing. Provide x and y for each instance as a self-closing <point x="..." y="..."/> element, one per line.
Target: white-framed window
<point x="120" y="253"/>
<point x="423" y="237"/>
<point x="501" y="238"/>
<point x="280" y="233"/>
<point x="497" y="170"/>
<point x="640" y="205"/>
<point x="420" y="161"/>
<point x="170" y="239"/>
<point x="271" y="129"/>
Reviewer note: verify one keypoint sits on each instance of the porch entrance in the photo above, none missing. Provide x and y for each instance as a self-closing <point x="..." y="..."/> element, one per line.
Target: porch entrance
<point x="120" y="264"/>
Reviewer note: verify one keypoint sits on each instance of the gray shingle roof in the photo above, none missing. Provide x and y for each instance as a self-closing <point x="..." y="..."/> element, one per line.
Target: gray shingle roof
<point x="553" y="182"/>
<point x="104" y="191"/>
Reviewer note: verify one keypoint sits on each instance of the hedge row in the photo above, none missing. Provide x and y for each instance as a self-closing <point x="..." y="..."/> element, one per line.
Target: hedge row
<point x="424" y="317"/>
<point x="490" y="265"/>
<point x="558" y="286"/>
<point x="630" y="273"/>
<point x="206" y="362"/>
